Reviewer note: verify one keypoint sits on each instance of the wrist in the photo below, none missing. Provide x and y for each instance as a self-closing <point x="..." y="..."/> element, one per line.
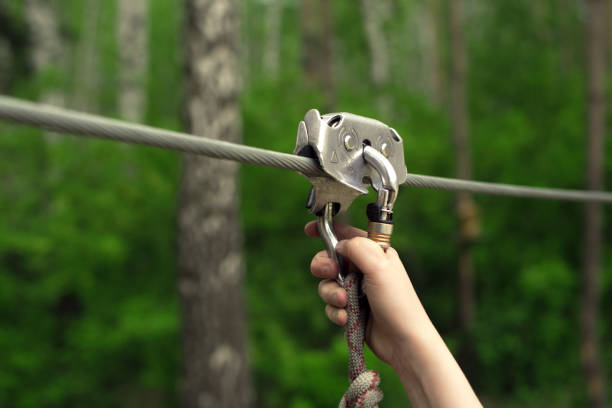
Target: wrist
<point x="407" y="362"/>
<point x="416" y="347"/>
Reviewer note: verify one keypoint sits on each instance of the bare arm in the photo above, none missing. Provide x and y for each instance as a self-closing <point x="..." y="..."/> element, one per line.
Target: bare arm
<point x="399" y="331"/>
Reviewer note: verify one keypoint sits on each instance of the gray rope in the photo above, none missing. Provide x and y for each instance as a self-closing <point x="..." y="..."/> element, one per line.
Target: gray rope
<point x="62" y="120"/>
<point x="363" y="391"/>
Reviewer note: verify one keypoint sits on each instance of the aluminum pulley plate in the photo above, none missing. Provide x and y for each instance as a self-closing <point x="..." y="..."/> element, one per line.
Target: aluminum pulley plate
<point x="336" y="141"/>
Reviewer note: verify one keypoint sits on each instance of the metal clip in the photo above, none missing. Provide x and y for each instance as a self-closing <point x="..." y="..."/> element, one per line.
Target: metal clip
<point x="354" y="151"/>
<point x="337" y="142"/>
<point x="380" y="213"/>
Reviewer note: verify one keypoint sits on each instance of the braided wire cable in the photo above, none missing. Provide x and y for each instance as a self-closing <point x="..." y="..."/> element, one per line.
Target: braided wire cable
<point x="479" y="187"/>
<point x="81" y="124"/>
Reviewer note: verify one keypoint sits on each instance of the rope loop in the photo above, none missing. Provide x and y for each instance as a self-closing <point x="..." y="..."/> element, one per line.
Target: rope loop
<point x="363" y="391"/>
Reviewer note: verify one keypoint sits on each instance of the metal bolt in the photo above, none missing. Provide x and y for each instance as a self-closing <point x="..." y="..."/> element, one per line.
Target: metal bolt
<point x="349" y="142"/>
<point x="384" y="149"/>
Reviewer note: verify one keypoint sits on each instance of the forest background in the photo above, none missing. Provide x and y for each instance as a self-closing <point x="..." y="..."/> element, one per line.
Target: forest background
<point x="89" y="307"/>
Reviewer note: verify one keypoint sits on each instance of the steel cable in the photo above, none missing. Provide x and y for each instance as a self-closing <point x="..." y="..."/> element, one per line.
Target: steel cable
<point x="81" y="124"/>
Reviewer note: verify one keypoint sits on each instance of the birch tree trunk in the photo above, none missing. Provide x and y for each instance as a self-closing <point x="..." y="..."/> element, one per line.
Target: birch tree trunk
<point x="133" y="47"/>
<point x="273" y="36"/>
<point x="87" y="81"/>
<point x="590" y="348"/>
<point x="47" y="51"/>
<point x="466" y="209"/>
<point x="215" y="367"/>
<point x="375" y="13"/>
<point x="317" y="38"/>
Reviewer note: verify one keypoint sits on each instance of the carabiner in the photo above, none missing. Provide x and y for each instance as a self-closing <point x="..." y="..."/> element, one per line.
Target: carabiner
<point x="380" y="213"/>
<point x="325" y="222"/>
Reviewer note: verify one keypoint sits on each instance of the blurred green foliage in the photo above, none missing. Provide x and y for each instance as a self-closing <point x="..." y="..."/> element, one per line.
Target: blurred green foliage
<point x="88" y="307"/>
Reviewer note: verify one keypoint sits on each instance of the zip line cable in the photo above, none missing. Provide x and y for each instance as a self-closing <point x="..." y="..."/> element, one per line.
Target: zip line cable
<point x="82" y="124"/>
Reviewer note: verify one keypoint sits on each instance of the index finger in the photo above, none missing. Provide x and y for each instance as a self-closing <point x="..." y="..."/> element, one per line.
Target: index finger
<point x="343" y="231"/>
<point x="364" y="253"/>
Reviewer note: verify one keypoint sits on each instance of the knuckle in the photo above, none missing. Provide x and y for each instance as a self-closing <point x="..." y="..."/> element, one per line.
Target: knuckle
<point x="329" y="312"/>
<point x="325" y="289"/>
<point x="342" y="317"/>
<point x="391" y="253"/>
<point x="321" y="287"/>
<point x="340" y="297"/>
<point x="317" y="262"/>
<point x="359" y="245"/>
<point x="354" y="245"/>
<point x="334" y="314"/>
<point x="362" y="243"/>
<point x="322" y="255"/>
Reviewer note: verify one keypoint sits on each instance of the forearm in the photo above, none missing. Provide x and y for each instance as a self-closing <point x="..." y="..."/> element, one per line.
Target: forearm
<point x="429" y="372"/>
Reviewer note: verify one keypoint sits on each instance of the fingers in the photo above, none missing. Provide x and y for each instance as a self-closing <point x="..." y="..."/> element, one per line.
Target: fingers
<point x="332" y="293"/>
<point x="365" y="254"/>
<point x="336" y="315"/>
<point x="322" y="266"/>
<point x="343" y="231"/>
<point x="336" y="299"/>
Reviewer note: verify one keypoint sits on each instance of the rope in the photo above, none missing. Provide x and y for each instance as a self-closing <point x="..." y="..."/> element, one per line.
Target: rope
<point x="363" y="392"/>
<point x="62" y="120"/>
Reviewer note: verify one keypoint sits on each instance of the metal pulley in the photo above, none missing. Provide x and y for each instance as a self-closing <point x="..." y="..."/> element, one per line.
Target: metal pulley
<point x="354" y="152"/>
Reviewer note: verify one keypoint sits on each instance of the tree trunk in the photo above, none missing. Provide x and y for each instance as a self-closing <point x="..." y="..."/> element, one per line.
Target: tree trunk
<point x="215" y="367"/>
<point x="14" y="44"/>
<point x="375" y="13"/>
<point x="317" y="55"/>
<point x="133" y="47"/>
<point x="46" y="47"/>
<point x="590" y="349"/>
<point x="431" y="52"/>
<point x="273" y="36"/>
<point x="466" y="209"/>
<point x="87" y="82"/>
<point x="5" y="64"/>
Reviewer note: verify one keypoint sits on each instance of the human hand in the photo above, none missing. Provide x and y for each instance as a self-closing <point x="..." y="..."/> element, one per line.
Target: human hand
<point x="399" y="330"/>
<point x="396" y="311"/>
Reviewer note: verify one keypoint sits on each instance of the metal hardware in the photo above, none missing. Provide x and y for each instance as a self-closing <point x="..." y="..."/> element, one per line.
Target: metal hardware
<point x="351" y="150"/>
<point x="384" y="149"/>
<point x="326" y="230"/>
<point x="380" y="213"/>
<point x="324" y="138"/>
<point x="387" y="192"/>
<point x="349" y="142"/>
<point x="380" y="233"/>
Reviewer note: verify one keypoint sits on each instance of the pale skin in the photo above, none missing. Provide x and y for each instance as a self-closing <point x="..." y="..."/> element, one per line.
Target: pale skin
<point x="399" y="331"/>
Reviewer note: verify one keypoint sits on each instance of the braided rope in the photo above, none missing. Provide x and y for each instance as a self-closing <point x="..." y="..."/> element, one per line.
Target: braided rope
<point x="363" y="391"/>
